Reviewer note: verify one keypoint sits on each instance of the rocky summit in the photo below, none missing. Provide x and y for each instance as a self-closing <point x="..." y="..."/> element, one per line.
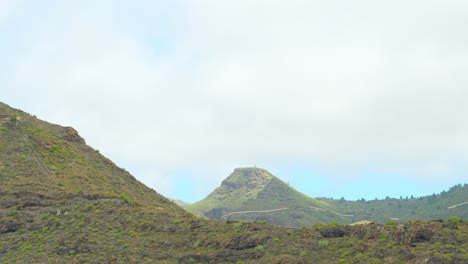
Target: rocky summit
<point x="255" y="194"/>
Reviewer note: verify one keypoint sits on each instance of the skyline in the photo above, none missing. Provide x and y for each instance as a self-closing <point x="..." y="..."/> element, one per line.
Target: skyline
<point x="354" y="100"/>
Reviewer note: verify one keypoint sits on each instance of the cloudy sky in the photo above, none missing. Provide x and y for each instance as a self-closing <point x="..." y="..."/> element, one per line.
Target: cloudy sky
<point x="359" y="99"/>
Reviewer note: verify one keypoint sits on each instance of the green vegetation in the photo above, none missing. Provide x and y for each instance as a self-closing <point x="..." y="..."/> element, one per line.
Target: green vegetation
<point x="88" y="210"/>
<point x="251" y="194"/>
<point x="254" y="194"/>
<point x="454" y="219"/>
<point x="451" y="203"/>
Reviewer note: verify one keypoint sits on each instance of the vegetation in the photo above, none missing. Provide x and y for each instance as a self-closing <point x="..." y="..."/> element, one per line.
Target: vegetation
<point x="253" y="194"/>
<point x="435" y="206"/>
<point x="63" y="202"/>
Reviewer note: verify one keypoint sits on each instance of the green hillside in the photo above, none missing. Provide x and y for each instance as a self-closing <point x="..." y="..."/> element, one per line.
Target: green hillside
<point x="255" y="194"/>
<point x="453" y="202"/>
<point x="63" y="202"/>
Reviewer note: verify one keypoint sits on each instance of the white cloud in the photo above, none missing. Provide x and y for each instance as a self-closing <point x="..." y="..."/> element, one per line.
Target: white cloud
<point x="208" y="85"/>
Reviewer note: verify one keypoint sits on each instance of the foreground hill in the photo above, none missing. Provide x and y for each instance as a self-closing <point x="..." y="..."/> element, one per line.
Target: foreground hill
<point x="255" y="194"/>
<point x="63" y="202"/>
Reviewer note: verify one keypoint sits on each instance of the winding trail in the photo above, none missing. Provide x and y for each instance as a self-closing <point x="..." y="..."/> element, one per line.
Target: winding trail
<point x="246" y="212"/>
<point x="281" y="209"/>
<point x="460" y="204"/>
<point x="314" y="208"/>
<point x="321" y="209"/>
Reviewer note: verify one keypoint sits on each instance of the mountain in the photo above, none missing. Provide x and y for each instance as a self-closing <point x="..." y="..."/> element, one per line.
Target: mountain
<point x="255" y="194"/>
<point x="61" y="201"/>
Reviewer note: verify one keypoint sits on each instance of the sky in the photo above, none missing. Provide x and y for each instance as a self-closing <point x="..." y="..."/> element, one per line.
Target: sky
<point x="354" y="99"/>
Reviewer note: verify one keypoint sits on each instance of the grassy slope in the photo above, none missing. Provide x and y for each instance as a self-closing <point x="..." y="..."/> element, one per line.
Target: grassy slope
<point x="63" y="202"/>
<point x="255" y="189"/>
<point x="427" y="207"/>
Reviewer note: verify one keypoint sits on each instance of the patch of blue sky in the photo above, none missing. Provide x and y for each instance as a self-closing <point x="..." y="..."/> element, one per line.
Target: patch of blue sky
<point x="367" y="183"/>
<point x="303" y="177"/>
<point x="184" y="187"/>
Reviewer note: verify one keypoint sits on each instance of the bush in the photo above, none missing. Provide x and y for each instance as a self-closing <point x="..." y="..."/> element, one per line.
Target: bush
<point x="454" y="219"/>
<point x="259" y="248"/>
<point x="196" y="244"/>
<point x="322" y="243"/>
<point x="125" y="198"/>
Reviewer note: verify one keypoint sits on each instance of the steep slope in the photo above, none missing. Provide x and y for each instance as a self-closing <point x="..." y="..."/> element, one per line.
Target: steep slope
<point x="63" y="202"/>
<point x="54" y="163"/>
<point x="255" y="194"/>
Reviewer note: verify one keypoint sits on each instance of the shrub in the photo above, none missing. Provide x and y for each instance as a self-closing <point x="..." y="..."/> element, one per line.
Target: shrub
<point x="322" y="243"/>
<point x="196" y="244"/>
<point x="454" y="219"/>
<point x="125" y="198"/>
<point x="14" y="118"/>
<point x="259" y="248"/>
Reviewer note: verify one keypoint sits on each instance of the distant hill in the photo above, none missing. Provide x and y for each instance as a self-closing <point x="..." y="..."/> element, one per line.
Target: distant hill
<point x="179" y="202"/>
<point x="453" y="202"/>
<point x="61" y="201"/>
<point x="255" y="194"/>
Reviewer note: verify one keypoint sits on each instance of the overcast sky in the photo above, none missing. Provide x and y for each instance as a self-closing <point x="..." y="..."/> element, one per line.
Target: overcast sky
<point x="339" y="98"/>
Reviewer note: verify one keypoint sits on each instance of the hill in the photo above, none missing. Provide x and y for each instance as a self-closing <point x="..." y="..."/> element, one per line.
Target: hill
<point x="256" y="194"/>
<point x="179" y="202"/>
<point x="61" y="201"/>
<point x="453" y="202"/>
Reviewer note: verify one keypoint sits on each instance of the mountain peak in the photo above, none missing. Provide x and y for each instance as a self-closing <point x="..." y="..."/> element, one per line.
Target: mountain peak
<point x="251" y="192"/>
<point x="248" y="178"/>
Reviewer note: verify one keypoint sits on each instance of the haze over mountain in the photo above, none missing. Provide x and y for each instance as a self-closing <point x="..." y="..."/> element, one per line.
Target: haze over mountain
<point x="61" y="201"/>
